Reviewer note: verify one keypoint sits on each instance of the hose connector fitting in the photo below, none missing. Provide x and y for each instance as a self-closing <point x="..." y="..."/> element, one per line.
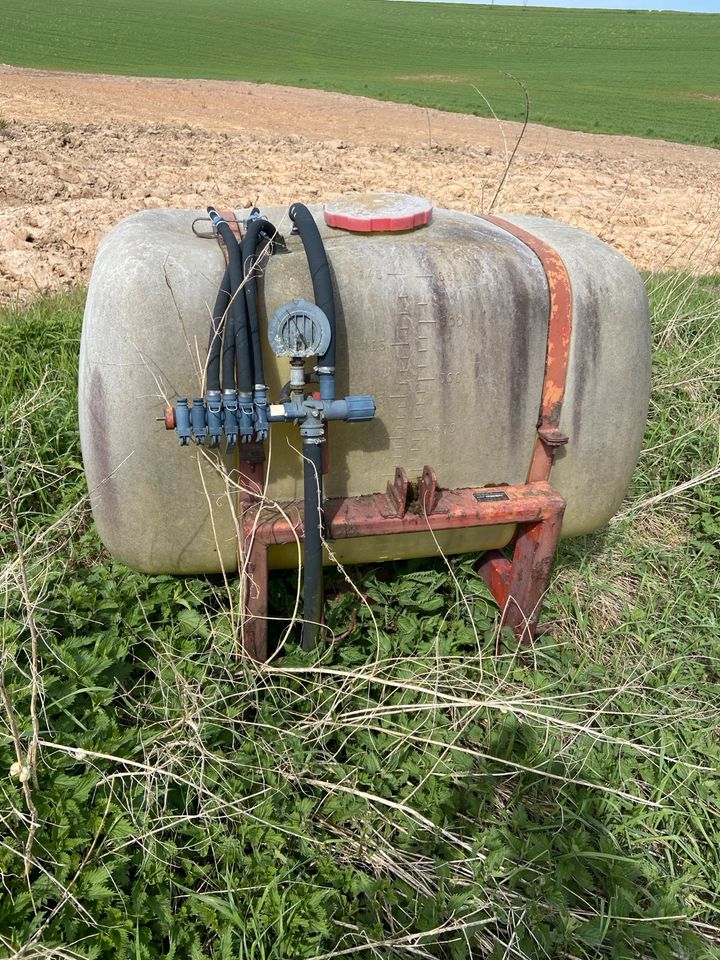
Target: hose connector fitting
<point x="246" y="417"/>
<point x="360" y="409"/>
<point x="183" y="426"/>
<point x="197" y="416"/>
<point x="215" y="217"/>
<point x="297" y="375"/>
<point x="214" y="416"/>
<point x="230" y="418"/>
<point x="326" y="379"/>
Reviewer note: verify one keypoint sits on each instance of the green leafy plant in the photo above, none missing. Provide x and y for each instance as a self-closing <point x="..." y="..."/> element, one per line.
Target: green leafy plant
<point x="402" y="792"/>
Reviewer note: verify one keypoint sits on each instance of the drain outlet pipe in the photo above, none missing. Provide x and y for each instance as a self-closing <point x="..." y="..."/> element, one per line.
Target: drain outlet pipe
<point x="312" y="415"/>
<point x="313" y="536"/>
<point x="322" y="291"/>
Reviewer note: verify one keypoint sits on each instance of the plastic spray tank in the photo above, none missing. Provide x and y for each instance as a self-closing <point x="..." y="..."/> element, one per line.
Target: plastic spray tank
<point x="431" y="381"/>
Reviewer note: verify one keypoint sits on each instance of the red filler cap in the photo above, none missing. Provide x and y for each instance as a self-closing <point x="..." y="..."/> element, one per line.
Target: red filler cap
<point x="377" y="212"/>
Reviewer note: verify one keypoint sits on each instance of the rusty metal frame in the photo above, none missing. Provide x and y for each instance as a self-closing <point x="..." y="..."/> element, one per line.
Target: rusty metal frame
<point x="517" y="584"/>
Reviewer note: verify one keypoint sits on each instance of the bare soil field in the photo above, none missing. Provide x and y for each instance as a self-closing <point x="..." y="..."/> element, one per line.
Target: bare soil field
<point x="79" y="152"/>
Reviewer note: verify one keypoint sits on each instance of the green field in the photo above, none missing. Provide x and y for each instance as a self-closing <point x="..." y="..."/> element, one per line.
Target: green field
<point x="400" y="793"/>
<point x="640" y="73"/>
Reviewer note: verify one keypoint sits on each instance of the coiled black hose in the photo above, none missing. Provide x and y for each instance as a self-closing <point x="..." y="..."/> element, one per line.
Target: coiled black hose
<point x="313" y="524"/>
<point x="249" y="255"/>
<point x="216" y="334"/>
<point x="319" y="272"/>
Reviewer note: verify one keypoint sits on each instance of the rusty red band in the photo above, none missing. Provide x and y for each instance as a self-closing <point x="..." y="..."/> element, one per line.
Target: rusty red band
<point x="232" y="221"/>
<point x="558" y="348"/>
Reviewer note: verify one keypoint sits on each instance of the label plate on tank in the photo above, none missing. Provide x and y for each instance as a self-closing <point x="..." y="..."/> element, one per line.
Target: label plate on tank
<point x="488" y="496"/>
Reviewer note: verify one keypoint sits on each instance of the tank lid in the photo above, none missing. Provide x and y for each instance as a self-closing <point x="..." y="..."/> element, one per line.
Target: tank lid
<point x="377" y="212"/>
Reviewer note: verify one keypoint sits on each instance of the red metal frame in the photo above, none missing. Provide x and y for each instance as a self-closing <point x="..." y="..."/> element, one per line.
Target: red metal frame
<point x="518" y="584"/>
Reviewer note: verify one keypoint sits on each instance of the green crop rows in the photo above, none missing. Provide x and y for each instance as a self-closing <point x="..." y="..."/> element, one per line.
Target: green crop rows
<point x="644" y="74"/>
<point x="400" y="793"/>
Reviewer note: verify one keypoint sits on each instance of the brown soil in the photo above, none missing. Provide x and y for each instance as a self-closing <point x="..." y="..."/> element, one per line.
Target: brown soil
<point x="78" y="152"/>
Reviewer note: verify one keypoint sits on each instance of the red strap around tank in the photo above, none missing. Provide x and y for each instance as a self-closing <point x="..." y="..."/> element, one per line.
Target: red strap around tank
<point x="231" y="218"/>
<point x="558" y="348"/>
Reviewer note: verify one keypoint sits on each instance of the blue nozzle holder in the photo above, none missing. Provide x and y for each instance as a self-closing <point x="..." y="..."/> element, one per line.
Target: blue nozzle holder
<point x="246" y="418"/>
<point x="197" y="417"/>
<point x="230" y="419"/>
<point x="214" y="417"/>
<point x="183" y="427"/>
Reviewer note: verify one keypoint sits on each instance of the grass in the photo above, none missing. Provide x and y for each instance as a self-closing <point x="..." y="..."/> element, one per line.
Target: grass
<point x="401" y="793"/>
<point x="624" y="72"/>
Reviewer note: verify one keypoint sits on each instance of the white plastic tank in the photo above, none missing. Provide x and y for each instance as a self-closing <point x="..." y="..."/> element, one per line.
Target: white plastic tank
<point x="445" y="324"/>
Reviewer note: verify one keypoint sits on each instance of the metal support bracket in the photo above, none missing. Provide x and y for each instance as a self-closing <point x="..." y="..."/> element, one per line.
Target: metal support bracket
<point x="397" y="492"/>
<point x="518" y="585"/>
<point x="427" y="491"/>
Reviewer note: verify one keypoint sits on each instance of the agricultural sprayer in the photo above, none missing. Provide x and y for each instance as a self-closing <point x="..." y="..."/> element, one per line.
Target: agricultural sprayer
<point x="361" y="381"/>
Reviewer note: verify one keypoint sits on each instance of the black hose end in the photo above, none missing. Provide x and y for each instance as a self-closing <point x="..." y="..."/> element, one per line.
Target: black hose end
<point x="298" y="208"/>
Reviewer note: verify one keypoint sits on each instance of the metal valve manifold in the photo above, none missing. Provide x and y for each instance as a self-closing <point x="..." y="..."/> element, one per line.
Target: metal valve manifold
<point x="298" y="330"/>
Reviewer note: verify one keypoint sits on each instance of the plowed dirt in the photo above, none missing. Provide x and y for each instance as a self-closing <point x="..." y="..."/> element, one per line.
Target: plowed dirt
<point x="79" y="152"/>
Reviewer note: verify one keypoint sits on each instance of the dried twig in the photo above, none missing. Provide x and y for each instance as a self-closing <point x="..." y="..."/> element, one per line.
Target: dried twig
<point x="509" y="162"/>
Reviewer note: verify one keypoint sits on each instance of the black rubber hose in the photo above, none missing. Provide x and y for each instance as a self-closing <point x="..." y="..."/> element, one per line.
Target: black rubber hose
<point x="319" y="272"/>
<point x="216" y="332"/>
<point x="228" y="353"/>
<point x="237" y="306"/>
<point x="243" y="359"/>
<point x="313" y="512"/>
<point x="249" y="256"/>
